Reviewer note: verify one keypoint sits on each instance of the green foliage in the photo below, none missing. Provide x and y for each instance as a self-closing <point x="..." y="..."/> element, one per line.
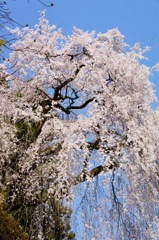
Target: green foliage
<point x="10" y="228"/>
<point x="51" y="216"/>
<point x="61" y="218"/>
<point x="26" y="216"/>
<point x="71" y="235"/>
<point x="27" y="131"/>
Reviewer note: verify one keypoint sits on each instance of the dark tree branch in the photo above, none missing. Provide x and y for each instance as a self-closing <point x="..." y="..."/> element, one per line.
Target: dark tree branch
<point x="81" y="106"/>
<point x="67" y="111"/>
<point x="73" y="55"/>
<point x="94" y="145"/>
<point x="51" y="4"/>
<point x="57" y="89"/>
<point x="84" y="176"/>
<point x="62" y="85"/>
<point x="86" y="52"/>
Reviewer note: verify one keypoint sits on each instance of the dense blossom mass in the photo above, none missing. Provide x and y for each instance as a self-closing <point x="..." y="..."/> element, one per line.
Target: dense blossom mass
<point x="76" y="118"/>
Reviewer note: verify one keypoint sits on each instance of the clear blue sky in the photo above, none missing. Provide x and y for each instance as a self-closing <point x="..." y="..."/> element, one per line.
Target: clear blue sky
<point x="138" y="20"/>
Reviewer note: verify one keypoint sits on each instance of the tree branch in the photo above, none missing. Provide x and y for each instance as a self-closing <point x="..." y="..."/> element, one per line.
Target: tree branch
<point x="67" y="111"/>
<point x="81" y="106"/>
<point x="57" y="89"/>
<point x="94" y="145"/>
<point x="84" y="176"/>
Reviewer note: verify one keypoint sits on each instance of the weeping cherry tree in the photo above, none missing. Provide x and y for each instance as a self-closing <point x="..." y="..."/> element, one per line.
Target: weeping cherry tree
<point x="78" y="132"/>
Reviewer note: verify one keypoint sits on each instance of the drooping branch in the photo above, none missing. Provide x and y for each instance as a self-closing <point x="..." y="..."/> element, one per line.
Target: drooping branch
<point x="86" y="175"/>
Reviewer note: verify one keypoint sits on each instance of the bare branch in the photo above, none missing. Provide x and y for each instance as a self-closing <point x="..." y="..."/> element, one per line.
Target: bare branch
<point x="81" y="106"/>
<point x="62" y="108"/>
<point x="51" y="4"/>
<point x="62" y="85"/>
